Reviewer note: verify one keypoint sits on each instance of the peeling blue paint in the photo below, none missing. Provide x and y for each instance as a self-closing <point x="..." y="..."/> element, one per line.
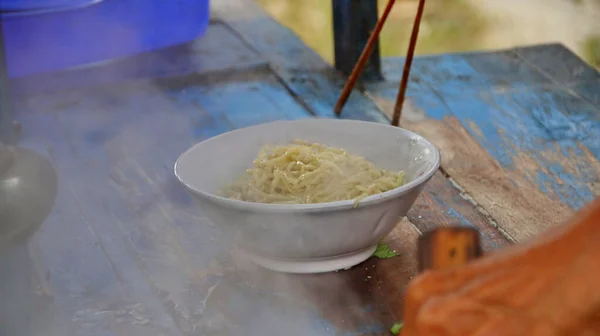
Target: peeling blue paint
<point x="466" y="222"/>
<point x="218" y="109"/>
<point x="321" y="90"/>
<point x="460" y="217"/>
<point x="511" y="109"/>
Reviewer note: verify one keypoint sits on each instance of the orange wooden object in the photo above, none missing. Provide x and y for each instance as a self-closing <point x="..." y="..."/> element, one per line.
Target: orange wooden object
<point x="447" y="247"/>
<point x="547" y="286"/>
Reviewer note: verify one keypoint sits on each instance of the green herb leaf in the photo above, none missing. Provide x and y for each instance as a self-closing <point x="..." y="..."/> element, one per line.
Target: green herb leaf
<point x="396" y="328"/>
<point x="384" y="252"/>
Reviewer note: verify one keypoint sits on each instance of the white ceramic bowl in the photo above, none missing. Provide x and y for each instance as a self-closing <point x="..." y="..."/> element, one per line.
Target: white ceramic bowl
<point x="308" y="238"/>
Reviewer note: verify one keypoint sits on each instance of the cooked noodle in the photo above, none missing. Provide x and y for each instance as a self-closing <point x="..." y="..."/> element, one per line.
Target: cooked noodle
<point x="303" y="172"/>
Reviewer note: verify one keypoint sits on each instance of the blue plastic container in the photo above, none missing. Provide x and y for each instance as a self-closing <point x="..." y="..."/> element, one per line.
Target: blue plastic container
<point x="51" y="35"/>
<point x="39" y="5"/>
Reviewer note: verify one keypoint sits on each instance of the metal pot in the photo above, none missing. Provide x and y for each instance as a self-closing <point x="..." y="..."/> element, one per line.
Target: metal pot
<point x="28" y="186"/>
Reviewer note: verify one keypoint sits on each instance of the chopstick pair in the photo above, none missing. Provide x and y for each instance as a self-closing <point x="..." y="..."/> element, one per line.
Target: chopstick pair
<point x="362" y="60"/>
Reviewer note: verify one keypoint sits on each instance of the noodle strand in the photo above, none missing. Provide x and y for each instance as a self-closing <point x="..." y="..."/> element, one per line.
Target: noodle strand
<point x="304" y="172"/>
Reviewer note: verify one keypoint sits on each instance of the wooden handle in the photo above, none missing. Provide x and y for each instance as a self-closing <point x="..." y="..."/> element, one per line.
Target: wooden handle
<point x="406" y="72"/>
<point x="447" y="247"/>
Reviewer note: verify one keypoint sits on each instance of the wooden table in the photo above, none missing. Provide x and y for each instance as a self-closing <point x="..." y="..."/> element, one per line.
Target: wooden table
<point x="126" y="252"/>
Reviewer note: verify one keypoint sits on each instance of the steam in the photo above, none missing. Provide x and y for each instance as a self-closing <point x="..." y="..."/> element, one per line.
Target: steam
<point x="229" y="295"/>
<point x="311" y="304"/>
<point x="188" y="265"/>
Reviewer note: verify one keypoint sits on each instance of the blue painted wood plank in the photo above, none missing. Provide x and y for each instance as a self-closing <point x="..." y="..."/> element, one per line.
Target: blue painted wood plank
<point x="442" y="205"/>
<point x="472" y="71"/>
<point x="320" y="91"/>
<point x="95" y="287"/>
<point x="518" y="126"/>
<point x="179" y="249"/>
<point x="508" y="131"/>
<point x="117" y="154"/>
<point x="558" y="62"/>
<point x="516" y="115"/>
<point x="587" y="90"/>
<point x="242" y="103"/>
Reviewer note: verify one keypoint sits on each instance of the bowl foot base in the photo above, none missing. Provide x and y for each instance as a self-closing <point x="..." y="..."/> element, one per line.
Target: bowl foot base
<point x="317" y="265"/>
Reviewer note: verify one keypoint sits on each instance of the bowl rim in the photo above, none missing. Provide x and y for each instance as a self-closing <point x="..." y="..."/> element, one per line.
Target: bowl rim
<point x="314" y="207"/>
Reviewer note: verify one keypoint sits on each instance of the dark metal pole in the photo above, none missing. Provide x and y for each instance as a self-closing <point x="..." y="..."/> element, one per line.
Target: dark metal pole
<point x="353" y="21"/>
<point x="7" y="129"/>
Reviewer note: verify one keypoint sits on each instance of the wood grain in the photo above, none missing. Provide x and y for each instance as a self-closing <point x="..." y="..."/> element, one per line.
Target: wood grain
<point x="518" y="206"/>
<point x="113" y="148"/>
<point x="513" y="202"/>
<point x="83" y="264"/>
<point x="558" y="63"/>
<point x="363" y="299"/>
<point x="533" y="137"/>
<point x="516" y="113"/>
<point x="443" y="205"/>
<point x="393" y="275"/>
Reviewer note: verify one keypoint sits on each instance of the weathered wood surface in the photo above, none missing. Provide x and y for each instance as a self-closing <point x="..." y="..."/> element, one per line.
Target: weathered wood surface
<point x="126" y="252"/>
<point x="518" y="129"/>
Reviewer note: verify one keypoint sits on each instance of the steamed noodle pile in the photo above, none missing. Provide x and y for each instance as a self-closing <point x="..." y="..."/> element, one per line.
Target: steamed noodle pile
<point x="303" y="172"/>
